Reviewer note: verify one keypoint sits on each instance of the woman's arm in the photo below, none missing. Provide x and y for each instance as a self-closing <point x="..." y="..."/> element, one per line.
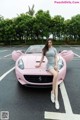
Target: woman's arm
<point x="40" y="61"/>
<point x="56" y="63"/>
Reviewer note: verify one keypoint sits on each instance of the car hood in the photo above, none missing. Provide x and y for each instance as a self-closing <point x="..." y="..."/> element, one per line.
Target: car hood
<point x="31" y="60"/>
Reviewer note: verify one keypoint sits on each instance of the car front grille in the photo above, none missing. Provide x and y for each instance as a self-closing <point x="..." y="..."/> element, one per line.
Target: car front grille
<point x="38" y="78"/>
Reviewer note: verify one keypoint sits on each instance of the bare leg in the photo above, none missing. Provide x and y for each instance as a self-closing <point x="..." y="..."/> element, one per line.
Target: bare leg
<point x="55" y="84"/>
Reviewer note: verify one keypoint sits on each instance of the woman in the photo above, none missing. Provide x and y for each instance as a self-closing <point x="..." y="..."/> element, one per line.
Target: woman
<point x="52" y="66"/>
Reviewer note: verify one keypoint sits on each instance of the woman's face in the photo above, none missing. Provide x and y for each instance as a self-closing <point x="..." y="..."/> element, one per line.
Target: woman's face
<point x="49" y="43"/>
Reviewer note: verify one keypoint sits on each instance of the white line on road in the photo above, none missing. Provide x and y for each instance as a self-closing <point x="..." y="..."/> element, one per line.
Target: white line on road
<point x="65" y="97"/>
<point x="77" y="48"/>
<point x="5" y="74"/>
<point x="3" y="51"/>
<point x="61" y="116"/>
<point x="77" y="55"/>
<point x="7" y="55"/>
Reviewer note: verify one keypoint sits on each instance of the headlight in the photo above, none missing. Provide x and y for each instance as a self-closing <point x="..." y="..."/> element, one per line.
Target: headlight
<point x="21" y="64"/>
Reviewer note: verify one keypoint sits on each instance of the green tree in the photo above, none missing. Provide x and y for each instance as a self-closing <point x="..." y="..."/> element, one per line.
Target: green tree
<point x="31" y="10"/>
<point x="57" y="26"/>
<point x="7" y="31"/>
<point x="23" y="27"/>
<point x="74" y="27"/>
<point x="41" y="25"/>
<point x="1" y="18"/>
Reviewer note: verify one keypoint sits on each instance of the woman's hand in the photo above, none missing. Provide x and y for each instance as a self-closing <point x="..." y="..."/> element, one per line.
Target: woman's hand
<point x="56" y="67"/>
<point x="37" y="66"/>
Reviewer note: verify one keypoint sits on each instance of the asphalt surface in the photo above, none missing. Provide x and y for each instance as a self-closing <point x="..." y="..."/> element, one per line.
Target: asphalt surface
<point x="31" y="103"/>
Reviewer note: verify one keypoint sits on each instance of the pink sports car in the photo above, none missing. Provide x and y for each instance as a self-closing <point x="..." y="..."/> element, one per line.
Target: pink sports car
<point x="26" y="72"/>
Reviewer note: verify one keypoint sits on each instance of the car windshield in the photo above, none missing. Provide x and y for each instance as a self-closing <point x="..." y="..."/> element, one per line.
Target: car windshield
<point x="35" y="49"/>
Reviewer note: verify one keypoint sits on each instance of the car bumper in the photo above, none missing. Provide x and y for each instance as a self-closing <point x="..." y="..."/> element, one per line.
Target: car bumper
<point x="37" y="80"/>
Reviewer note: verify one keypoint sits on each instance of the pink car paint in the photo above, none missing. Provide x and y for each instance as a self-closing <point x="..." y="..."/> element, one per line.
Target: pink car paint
<point x="31" y="60"/>
<point x="67" y="55"/>
<point x="16" y="54"/>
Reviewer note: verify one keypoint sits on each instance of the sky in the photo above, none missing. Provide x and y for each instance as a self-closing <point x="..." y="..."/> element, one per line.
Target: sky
<point x="12" y="8"/>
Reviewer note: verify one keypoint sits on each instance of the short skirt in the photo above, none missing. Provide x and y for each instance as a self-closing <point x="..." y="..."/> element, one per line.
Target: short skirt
<point x="52" y="65"/>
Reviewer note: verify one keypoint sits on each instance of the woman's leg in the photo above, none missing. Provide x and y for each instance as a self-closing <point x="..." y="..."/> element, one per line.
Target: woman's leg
<point x="55" y="86"/>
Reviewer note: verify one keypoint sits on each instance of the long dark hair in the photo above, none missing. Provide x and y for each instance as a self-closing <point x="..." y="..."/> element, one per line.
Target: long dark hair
<point x="45" y="49"/>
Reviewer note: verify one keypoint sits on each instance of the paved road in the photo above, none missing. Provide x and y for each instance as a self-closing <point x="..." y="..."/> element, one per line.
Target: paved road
<point x="34" y="104"/>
